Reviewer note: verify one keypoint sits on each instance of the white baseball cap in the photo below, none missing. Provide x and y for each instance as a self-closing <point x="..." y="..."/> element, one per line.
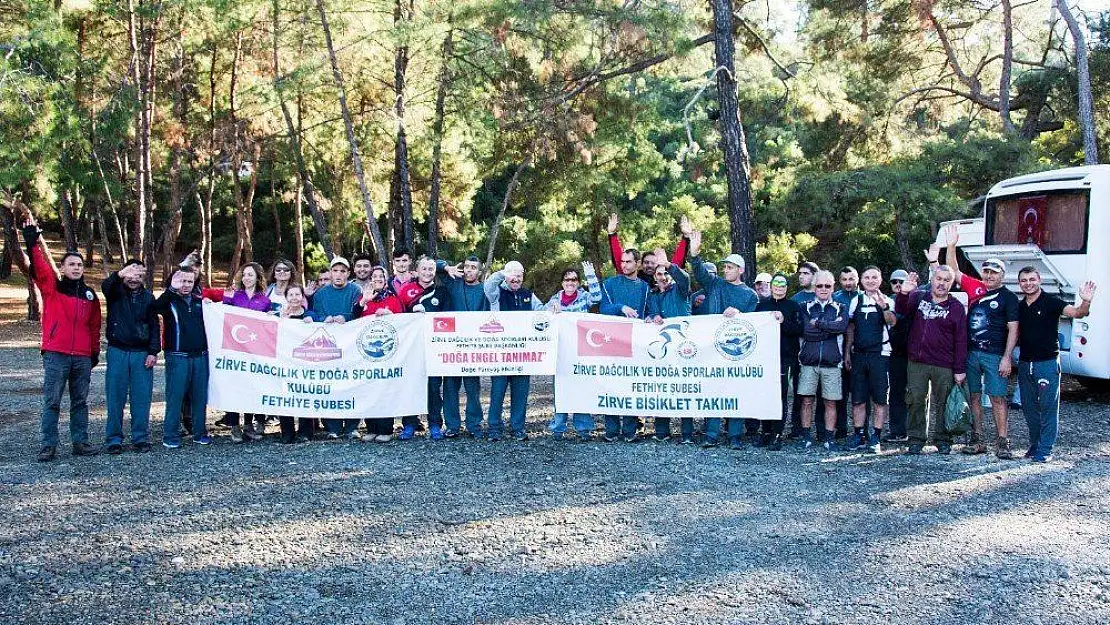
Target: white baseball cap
<point x="339" y="260"/>
<point x="994" y="264"/>
<point x="763" y="277"/>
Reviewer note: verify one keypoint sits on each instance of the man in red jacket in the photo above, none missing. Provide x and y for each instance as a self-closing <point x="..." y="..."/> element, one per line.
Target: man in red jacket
<point x="70" y="343"/>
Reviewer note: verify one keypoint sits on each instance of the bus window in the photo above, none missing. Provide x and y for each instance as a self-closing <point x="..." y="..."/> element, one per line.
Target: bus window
<point x="1055" y="222"/>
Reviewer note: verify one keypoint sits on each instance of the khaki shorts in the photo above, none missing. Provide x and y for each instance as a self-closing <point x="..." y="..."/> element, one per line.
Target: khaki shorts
<point x="828" y="378"/>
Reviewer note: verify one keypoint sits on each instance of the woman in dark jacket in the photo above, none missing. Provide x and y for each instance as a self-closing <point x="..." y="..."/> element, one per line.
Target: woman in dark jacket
<point x="789" y="315"/>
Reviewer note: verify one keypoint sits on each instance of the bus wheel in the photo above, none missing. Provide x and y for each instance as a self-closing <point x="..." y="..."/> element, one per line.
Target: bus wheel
<point x="1095" y="385"/>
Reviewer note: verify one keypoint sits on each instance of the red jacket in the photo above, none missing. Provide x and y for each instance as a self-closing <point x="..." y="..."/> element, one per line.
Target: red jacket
<point x="391" y="301"/>
<point x="70" y="316"/>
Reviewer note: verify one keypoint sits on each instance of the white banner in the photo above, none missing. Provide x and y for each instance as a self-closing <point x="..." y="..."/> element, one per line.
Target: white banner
<point x="705" y="366"/>
<point x="370" y="367"/>
<point x="490" y="343"/>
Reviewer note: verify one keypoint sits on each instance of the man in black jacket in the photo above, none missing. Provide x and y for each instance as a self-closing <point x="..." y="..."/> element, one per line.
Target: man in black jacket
<point x="133" y="346"/>
<point x="186" y="349"/>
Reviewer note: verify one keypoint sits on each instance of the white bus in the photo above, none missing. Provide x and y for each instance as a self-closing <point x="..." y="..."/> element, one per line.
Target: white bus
<point x="1059" y="222"/>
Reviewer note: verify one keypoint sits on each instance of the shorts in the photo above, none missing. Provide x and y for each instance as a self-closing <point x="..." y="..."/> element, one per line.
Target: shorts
<point x="982" y="374"/>
<point x="827" y="377"/>
<point x="870" y="379"/>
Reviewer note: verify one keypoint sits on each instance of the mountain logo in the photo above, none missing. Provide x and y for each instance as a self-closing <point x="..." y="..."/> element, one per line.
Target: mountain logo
<point x="320" y="347"/>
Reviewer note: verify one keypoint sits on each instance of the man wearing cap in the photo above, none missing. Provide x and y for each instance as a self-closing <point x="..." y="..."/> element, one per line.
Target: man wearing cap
<point x="726" y="295"/>
<point x="899" y="335"/>
<point x="506" y="292"/>
<point x="463" y="282"/>
<point x="337" y="302"/>
<point x="1039" y="365"/>
<point x="763" y="285"/>
<point x="992" y="334"/>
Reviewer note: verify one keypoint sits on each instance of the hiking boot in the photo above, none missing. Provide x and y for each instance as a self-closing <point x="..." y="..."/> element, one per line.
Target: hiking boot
<point x="250" y="433"/>
<point x="632" y="438"/>
<point x="1002" y="449"/>
<point x="141" y="448"/>
<point x="775" y="443"/>
<point x="236" y="434"/>
<point x="659" y="438"/>
<point x="85" y="449"/>
<point x="975" y="445"/>
<point x="114" y="449"/>
<point x="830" y="445"/>
<point x="856" y="441"/>
<point x="47" y="454"/>
<point x="450" y="433"/>
<point x="1039" y="459"/>
<point x="915" y="449"/>
<point x="709" y="443"/>
<point x="896" y="439"/>
<point x="610" y="438"/>
<point x="807" y="440"/>
<point x="383" y="438"/>
<point x="169" y="445"/>
<point x="873" y="445"/>
<point x="202" y="440"/>
<point x="944" y="448"/>
<point x="519" y="436"/>
<point x="687" y="440"/>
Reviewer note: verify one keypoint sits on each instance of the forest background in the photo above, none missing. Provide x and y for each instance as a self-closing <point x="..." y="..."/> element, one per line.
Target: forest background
<point x="266" y="129"/>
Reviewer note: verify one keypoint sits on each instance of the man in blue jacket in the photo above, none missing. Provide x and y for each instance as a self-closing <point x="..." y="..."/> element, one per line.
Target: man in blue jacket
<point x="186" y="348"/>
<point x="727" y="295"/>
<point x="133" y="344"/>
<point x="624" y="295"/>
<point x="465" y="286"/>
<point x="824" y="322"/>
<point x="506" y="292"/>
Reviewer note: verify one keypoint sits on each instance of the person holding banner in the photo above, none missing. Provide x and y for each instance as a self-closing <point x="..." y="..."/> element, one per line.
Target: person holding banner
<point x="670" y="298"/>
<point x="249" y="292"/>
<point x="379" y="299"/>
<point x="186" y="349"/>
<point x="574" y="298"/>
<point x="724" y="295"/>
<point x="467" y="295"/>
<point x="624" y="295"/>
<point x="789" y="314"/>
<point x="337" y="302"/>
<point x="282" y="275"/>
<point x="506" y="292"/>
<point x="697" y="298"/>
<point x="295" y="307"/>
<point x="424" y="295"/>
<point x="824" y="321"/>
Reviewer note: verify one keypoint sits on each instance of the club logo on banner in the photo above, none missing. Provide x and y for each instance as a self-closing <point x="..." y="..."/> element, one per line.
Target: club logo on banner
<point x="490" y="343"/>
<point x="364" y="368"/>
<point x="706" y="366"/>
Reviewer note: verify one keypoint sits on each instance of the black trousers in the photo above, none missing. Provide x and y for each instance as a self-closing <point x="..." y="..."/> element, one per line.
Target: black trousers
<point x="290" y="429"/>
<point x="897" y="402"/>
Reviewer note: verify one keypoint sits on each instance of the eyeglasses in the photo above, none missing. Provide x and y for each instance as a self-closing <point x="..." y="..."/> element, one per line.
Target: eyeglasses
<point x="822" y="286"/>
<point x="570" y="280"/>
<point x="281" y="270"/>
<point x="897" y="281"/>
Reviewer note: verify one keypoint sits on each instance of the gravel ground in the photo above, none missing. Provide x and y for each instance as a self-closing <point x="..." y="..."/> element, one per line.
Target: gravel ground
<point x="543" y="531"/>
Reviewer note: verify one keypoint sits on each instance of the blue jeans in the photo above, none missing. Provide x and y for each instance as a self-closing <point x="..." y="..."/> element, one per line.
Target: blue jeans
<point x="663" y="427"/>
<point x="518" y="386"/>
<point x="127" y="375"/>
<point x="1040" y="401"/>
<point x="583" y="423"/>
<point x="185" y="373"/>
<point x="59" y="371"/>
<point x="620" y="426"/>
<point x="451" y="417"/>
<point x="341" y="427"/>
<point x="713" y="426"/>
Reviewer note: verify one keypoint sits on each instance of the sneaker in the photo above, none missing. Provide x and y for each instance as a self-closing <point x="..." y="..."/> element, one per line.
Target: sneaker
<point x="436" y="433"/>
<point x="203" y="440"/>
<point x="301" y="438"/>
<point x="169" y="445"/>
<point x="251" y="433"/>
<point x="830" y="445"/>
<point x="383" y="438"/>
<point x="873" y="445"/>
<point x="975" y="445"/>
<point x="807" y="440"/>
<point x="915" y="449"/>
<point x="736" y="443"/>
<point x="944" y="449"/>
<point x="142" y="447"/>
<point x="660" y="439"/>
<point x="1031" y="453"/>
<point x="519" y="436"/>
<point x="450" y="433"/>
<point x="1039" y="459"/>
<point x="632" y="438"/>
<point x="901" y="438"/>
<point x="237" y="434"/>
<point x="85" y="449"/>
<point x="709" y="442"/>
<point x="585" y="437"/>
<point x="855" y="442"/>
<point x="331" y="436"/>
<point x="610" y="438"/>
<point x="1002" y="449"/>
<point x="46" y="454"/>
<point x="763" y="440"/>
<point x="687" y="440"/>
<point x="354" y="437"/>
<point x="114" y="449"/>
<point x="496" y="437"/>
<point x="775" y="444"/>
<point x="407" y="433"/>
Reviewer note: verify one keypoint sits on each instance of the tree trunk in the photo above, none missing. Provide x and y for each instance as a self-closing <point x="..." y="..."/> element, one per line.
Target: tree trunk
<point x="69" y="220"/>
<point x="737" y="162"/>
<point x="298" y="229"/>
<point x="241" y="231"/>
<point x="1083" y="71"/>
<point x="142" y="37"/>
<point x="105" y="243"/>
<point x="306" y="192"/>
<point x="437" y="145"/>
<point x="348" y="124"/>
<point x="1007" y="67"/>
<point x="171" y="229"/>
<point x="495" y="230"/>
<point x="400" y="201"/>
<point x="205" y="204"/>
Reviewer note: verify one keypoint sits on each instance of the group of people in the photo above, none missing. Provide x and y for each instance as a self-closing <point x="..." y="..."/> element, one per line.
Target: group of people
<point x="890" y="355"/>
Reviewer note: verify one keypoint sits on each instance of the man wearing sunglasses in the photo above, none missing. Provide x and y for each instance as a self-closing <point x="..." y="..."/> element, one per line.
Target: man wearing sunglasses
<point x="824" y="322"/>
<point x="899" y="360"/>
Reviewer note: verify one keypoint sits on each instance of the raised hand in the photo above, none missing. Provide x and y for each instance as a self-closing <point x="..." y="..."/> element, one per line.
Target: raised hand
<point x="1087" y="291"/>
<point x="695" y="242"/>
<point x="685" y="226"/>
<point x="587" y="267"/>
<point x="455" y="271"/>
<point x="614" y="221"/>
<point x="933" y="253"/>
<point x="191" y="259"/>
<point x="879" y="299"/>
<point x="952" y="234"/>
<point x="660" y="257"/>
<point x="910" y="285"/>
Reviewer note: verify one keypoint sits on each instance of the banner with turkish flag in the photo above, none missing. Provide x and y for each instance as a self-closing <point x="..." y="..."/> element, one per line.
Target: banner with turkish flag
<point x="250" y="335"/>
<point x="472" y="344"/>
<point x="605" y="338"/>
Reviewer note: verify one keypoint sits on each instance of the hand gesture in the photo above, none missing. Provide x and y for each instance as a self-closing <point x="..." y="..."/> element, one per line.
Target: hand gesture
<point x="614" y="221"/>
<point x="777" y="315"/>
<point x="29" y="219"/>
<point x="1087" y="291"/>
<point x="455" y="271"/>
<point x="695" y="243"/>
<point x="310" y="287"/>
<point x="933" y="253"/>
<point x="176" y="281"/>
<point x="588" y="267"/>
<point x="879" y="299"/>
<point x="191" y="259"/>
<point x="660" y="257"/>
<point x="910" y="284"/>
<point x="685" y="226"/>
<point x="630" y="312"/>
<point x="657" y="320"/>
<point x="952" y="234"/>
<point x="730" y="312"/>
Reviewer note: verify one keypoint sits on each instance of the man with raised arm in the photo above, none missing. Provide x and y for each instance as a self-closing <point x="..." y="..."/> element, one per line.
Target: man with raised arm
<point x="624" y="295"/>
<point x="464" y="283"/>
<point x="648" y="260"/>
<point x="506" y="292"/>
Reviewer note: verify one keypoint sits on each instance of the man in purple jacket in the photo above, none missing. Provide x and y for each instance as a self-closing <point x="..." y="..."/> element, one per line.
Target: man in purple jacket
<point x="937" y="354"/>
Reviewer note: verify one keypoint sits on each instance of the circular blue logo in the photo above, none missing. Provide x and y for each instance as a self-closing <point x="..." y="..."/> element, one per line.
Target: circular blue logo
<point x="736" y="339"/>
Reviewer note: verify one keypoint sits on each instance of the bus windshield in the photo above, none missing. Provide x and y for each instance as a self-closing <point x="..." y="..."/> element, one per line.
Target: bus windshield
<point x="1055" y="221"/>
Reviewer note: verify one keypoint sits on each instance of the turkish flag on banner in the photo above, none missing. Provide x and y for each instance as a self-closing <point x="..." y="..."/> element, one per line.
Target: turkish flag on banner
<point x="443" y="324"/>
<point x="250" y="335"/>
<point x="1031" y="226"/>
<point x="604" y="338"/>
